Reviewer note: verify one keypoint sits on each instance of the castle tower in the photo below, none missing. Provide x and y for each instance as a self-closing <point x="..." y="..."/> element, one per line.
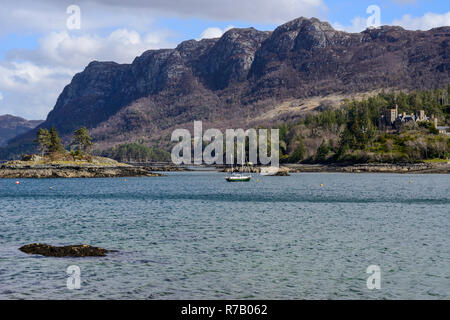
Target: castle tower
<point x="434" y="120"/>
<point x="391" y="115"/>
<point x="420" y="115"/>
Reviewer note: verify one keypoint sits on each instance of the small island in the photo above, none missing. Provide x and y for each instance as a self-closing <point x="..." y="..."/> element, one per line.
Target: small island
<point x="82" y="250"/>
<point x="57" y="162"/>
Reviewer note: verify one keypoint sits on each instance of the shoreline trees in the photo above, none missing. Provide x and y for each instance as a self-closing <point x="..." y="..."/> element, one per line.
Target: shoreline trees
<point x="50" y="144"/>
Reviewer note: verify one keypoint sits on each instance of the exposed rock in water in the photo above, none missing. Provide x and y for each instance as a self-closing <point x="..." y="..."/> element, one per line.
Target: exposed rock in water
<point x="275" y="171"/>
<point x="82" y="250"/>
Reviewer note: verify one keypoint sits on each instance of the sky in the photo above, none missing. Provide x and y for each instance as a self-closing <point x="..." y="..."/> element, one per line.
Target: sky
<point x="43" y="44"/>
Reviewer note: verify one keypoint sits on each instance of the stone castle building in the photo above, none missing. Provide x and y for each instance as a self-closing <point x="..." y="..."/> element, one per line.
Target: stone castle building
<point x="392" y="120"/>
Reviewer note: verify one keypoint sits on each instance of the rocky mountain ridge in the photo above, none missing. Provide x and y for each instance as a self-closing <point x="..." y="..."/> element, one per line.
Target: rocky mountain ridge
<point x="11" y="126"/>
<point x="231" y="81"/>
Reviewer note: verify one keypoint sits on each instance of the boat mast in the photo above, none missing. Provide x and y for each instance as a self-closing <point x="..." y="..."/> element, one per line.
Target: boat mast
<point x="243" y="156"/>
<point x="232" y="161"/>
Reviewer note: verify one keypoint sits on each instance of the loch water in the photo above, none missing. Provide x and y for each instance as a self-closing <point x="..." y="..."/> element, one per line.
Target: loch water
<point x="192" y="235"/>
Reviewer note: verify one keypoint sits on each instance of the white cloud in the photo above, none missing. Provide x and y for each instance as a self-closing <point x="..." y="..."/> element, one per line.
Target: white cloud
<point x="32" y="90"/>
<point x="428" y="21"/>
<point x="50" y="15"/>
<point x="34" y="78"/>
<point x="214" y="32"/>
<point x="358" y="24"/>
<point x="65" y="49"/>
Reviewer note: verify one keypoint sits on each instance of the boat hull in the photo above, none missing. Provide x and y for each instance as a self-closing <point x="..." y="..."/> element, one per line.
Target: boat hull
<point x="238" y="179"/>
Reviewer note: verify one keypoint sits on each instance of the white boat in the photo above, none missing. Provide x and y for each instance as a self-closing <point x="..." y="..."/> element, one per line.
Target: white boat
<point x="238" y="177"/>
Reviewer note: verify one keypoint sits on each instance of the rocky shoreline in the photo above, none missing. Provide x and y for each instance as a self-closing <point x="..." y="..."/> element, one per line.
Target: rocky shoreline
<point x="96" y="171"/>
<point x="281" y="171"/>
<point x="59" y="171"/>
<point x="286" y="169"/>
<point x="443" y="167"/>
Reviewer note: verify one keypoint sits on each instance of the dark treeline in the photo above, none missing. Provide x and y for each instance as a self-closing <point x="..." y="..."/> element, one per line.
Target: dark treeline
<point x="136" y="152"/>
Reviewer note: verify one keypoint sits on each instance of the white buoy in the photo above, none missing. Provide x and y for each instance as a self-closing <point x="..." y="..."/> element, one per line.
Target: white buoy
<point x="17" y="182"/>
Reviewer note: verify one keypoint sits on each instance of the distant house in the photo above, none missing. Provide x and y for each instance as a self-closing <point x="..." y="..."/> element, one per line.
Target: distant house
<point x="392" y="120"/>
<point x="444" y="130"/>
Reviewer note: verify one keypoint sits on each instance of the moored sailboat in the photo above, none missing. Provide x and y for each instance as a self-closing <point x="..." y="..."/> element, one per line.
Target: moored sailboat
<point x="238" y="177"/>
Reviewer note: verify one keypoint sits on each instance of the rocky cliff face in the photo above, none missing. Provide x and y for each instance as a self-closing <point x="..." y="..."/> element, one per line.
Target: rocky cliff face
<point x="309" y="57"/>
<point x="11" y="126"/>
<point x="232" y="80"/>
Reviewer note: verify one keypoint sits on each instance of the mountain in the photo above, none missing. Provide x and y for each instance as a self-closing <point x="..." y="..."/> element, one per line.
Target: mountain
<point x="243" y="79"/>
<point x="11" y="126"/>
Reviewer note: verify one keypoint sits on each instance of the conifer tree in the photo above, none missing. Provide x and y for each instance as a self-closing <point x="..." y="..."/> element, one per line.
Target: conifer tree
<point x="55" y="145"/>
<point x="82" y="140"/>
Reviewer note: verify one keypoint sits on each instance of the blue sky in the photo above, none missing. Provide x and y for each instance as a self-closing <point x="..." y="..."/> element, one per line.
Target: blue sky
<point x="39" y="54"/>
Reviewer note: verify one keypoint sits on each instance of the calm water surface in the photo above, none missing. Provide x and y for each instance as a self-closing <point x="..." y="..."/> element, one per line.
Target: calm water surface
<point x="194" y="236"/>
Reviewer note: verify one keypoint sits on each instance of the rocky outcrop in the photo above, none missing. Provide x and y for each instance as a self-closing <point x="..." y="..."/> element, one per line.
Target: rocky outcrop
<point x="46" y="250"/>
<point x="268" y="171"/>
<point x="167" y="168"/>
<point x="281" y="172"/>
<point x="231" y="58"/>
<point x="236" y="78"/>
<point x="249" y="169"/>
<point x="57" y="171"/>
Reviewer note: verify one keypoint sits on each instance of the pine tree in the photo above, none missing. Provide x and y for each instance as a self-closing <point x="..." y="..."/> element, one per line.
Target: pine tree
<point x="55" y="145"/>
<point x="82" y="140"/>
<point x="299" y="151"/>
<point x="322" y="151"/>
<point x="43" y="139"/>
